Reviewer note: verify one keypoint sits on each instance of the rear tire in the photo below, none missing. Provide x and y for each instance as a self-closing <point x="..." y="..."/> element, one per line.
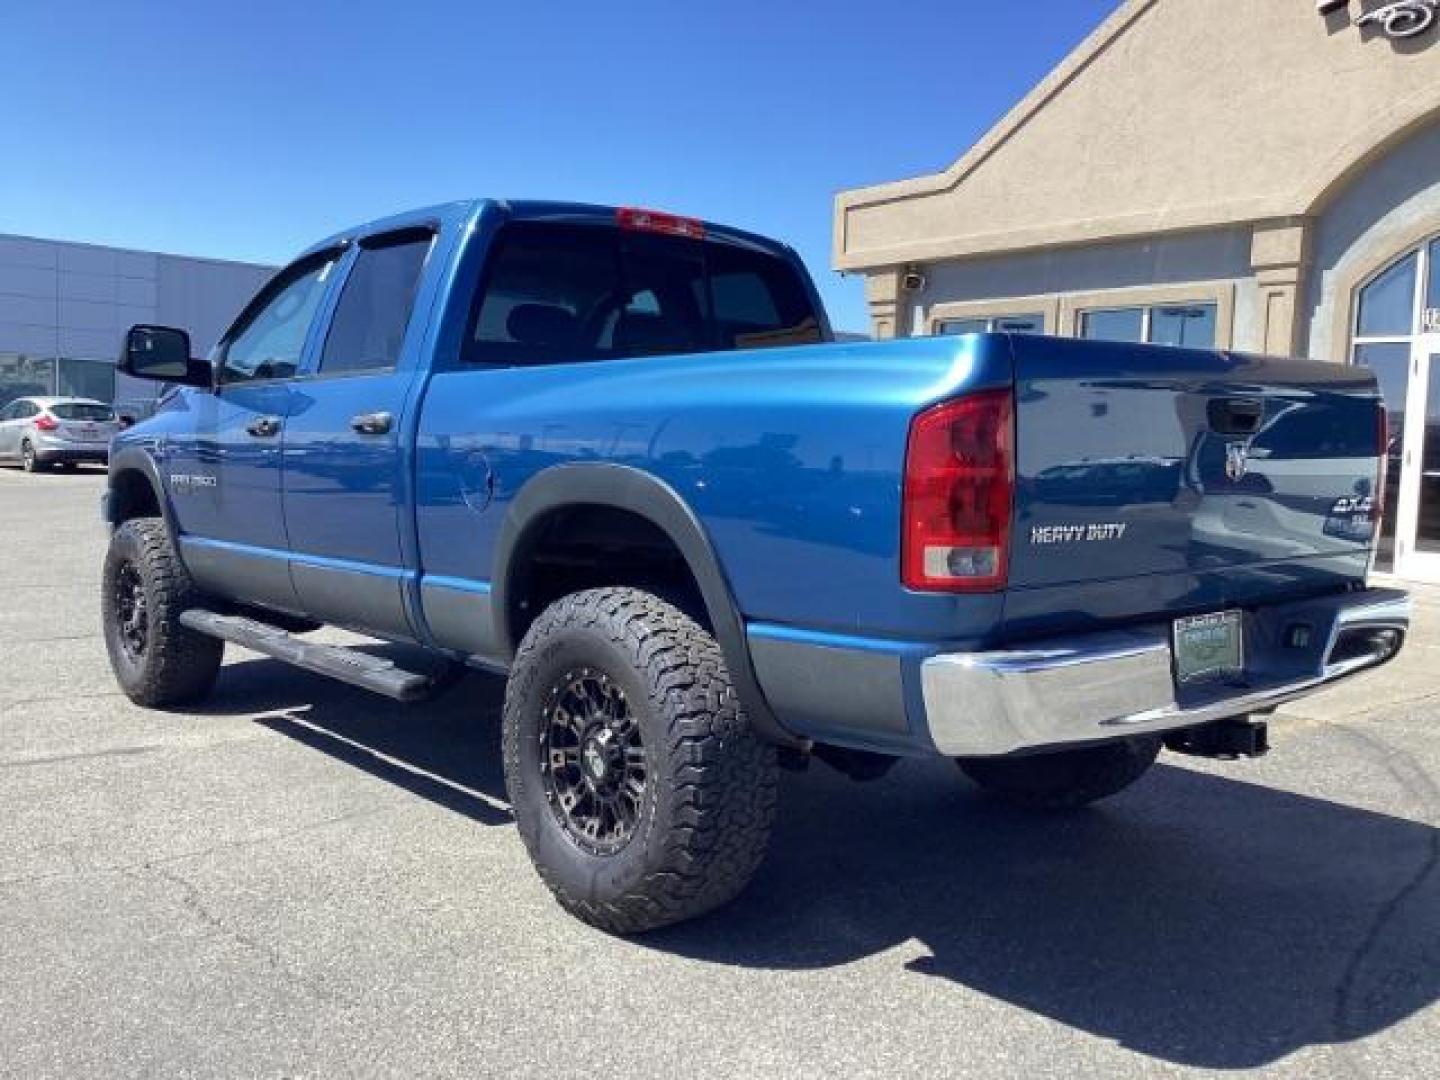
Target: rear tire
<point x="28" y="461"/>
<point x="1066" y="779"/>
<point x="157" y="661"/>
<point x="639" y="788"/>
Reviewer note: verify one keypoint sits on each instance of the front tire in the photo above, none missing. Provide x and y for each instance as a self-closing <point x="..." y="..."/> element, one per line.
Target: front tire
<point x="639" y="788"/>
<point x="1064" y="780"/>
<point x="157" y="661"/>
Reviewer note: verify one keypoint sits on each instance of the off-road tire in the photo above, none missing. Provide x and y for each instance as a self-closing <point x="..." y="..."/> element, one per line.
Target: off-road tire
<point x="177" y="665"/>
<point x="706" y="813"/>
<point x="1064" y="780"/>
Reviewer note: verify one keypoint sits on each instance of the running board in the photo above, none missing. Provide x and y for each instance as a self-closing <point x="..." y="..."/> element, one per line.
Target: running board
<point x="334" y="661"/>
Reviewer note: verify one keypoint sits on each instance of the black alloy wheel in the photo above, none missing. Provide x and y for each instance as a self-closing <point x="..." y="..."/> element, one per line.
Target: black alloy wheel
<point x="592" y="761"/>
<point x="132" y="611"/>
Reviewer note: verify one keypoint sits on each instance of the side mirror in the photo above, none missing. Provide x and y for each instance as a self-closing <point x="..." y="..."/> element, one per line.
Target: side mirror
<point x="162" y="354"/>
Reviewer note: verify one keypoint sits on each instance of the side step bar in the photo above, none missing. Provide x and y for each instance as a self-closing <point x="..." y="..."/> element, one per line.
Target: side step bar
<point x="335" y="661"/>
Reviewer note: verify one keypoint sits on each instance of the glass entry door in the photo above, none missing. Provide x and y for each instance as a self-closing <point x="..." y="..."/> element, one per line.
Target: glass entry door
<point x="1415" y="449"/>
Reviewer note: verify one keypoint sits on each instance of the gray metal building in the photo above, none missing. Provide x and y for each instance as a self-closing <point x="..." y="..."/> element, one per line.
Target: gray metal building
<point x="64" y="307"/>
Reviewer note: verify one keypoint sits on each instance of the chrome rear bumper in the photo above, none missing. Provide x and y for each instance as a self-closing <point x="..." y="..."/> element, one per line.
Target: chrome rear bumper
<point x="1118" y="684"/>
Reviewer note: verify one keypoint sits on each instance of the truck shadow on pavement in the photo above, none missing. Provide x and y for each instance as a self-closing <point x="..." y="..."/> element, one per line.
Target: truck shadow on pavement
<point x="1197" y="919"/>
<point x="447" y="750"/>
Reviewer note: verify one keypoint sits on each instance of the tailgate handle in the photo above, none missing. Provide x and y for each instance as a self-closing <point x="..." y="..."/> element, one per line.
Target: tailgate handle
<point x="1236" y="416"/>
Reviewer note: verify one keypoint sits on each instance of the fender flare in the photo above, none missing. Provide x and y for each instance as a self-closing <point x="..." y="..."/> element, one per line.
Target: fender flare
<point x="623" y="487"/>
<point x="136" y="459"/>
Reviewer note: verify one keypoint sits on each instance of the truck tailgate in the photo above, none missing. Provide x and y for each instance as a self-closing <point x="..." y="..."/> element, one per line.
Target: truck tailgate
<point x="1139" y="463"/>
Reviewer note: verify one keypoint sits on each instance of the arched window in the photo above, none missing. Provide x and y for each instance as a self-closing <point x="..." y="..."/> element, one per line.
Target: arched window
<point x="1391" y="309"/>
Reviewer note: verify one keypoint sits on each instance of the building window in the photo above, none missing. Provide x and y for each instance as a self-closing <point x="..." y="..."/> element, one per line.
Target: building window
<point x="34" y="376"/>
<point x="1006" y="324"/>
<point x="1391" y="310"/>
<point x="1398" y="303"/>
<point x="85" y="378"/>
<point x="1189" y="325"/>
<point x="25" y="376"/>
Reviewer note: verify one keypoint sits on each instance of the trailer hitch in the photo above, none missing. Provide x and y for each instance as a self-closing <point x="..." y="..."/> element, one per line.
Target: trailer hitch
<point x="1228" y="739"/>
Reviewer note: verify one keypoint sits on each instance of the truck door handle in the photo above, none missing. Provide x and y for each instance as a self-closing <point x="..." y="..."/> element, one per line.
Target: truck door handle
<point x="263" y="427"/>
<point x="372" y="423"/>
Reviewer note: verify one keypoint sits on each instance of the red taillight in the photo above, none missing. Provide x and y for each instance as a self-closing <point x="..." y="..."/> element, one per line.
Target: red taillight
<point x="46" y="422"/>
<point x="657" y="221"/>
<point x="959" y="484"/>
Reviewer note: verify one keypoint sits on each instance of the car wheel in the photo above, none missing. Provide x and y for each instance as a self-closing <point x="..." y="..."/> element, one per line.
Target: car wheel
<point x="156" y="660"/>
<point x="639" y="788"/>
<point x="1064" y="780"/>
<point x="28" y="461"/>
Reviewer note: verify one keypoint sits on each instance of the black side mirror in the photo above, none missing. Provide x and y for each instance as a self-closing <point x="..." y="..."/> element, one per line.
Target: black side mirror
<point x="162" y="354"/>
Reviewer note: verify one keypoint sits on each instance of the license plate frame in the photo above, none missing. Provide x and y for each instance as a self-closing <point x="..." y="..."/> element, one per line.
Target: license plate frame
<point x="1208" y="648"/>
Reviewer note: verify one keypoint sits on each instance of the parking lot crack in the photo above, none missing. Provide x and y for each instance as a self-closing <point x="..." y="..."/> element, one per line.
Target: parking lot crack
<point x="54" y="759"/>
<point x="193" y="901"/>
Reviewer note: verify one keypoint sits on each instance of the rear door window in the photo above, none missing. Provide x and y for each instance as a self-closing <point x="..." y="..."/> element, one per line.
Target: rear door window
<point x="368" y="328"/>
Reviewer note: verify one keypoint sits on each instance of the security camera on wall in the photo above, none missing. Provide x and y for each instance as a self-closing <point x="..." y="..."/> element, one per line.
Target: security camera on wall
<point x="913" y="279"/>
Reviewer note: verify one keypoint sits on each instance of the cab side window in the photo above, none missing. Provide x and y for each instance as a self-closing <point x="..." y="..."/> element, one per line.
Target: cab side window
<point x="374" y="308"/>
<point x="268" y="341"/>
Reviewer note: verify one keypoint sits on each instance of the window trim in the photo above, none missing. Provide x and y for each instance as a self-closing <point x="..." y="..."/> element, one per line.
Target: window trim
<point x="1047" y="306"/>
<point x="1146" y="297"/>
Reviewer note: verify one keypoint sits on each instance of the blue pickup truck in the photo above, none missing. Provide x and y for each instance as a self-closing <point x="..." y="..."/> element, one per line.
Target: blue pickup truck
<point x="615" y="454"/>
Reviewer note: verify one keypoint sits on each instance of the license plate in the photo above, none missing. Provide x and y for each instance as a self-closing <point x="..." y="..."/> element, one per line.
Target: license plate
<point x="1208" y="647"/>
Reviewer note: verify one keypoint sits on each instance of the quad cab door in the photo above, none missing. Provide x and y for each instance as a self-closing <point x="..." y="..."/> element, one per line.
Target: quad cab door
<point x="346" y="464"/>
<point x="223" y="467"/>
<point x="1415" y="449"/>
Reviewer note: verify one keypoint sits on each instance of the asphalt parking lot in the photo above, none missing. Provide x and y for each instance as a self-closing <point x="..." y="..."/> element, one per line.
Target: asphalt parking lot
<point x="302" y="880"/>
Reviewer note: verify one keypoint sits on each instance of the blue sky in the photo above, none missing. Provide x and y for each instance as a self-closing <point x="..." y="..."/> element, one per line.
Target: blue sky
<point x="247" y="130"/>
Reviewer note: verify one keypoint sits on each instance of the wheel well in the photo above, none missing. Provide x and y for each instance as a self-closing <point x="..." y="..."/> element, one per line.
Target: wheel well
<point x="585" y="547"/>
<point x="132" y="496"/>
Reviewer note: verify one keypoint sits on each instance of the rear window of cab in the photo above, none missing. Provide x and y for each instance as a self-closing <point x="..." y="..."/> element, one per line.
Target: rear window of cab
<point x="555" y="293"/>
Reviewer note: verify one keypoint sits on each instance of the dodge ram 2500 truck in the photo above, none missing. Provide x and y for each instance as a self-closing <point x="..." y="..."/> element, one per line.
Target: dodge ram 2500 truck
<point x="615" y="454"/>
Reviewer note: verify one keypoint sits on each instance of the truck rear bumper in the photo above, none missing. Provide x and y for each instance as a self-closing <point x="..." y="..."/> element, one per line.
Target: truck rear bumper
<point x="1116" y="684"/>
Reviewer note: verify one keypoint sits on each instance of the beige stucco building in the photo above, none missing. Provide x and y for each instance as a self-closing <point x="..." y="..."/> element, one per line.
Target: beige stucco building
<point x="1261" y="175"/>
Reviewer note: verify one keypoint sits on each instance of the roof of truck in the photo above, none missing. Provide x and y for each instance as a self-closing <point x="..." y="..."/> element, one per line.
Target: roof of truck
<point x="455" y="213"/>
